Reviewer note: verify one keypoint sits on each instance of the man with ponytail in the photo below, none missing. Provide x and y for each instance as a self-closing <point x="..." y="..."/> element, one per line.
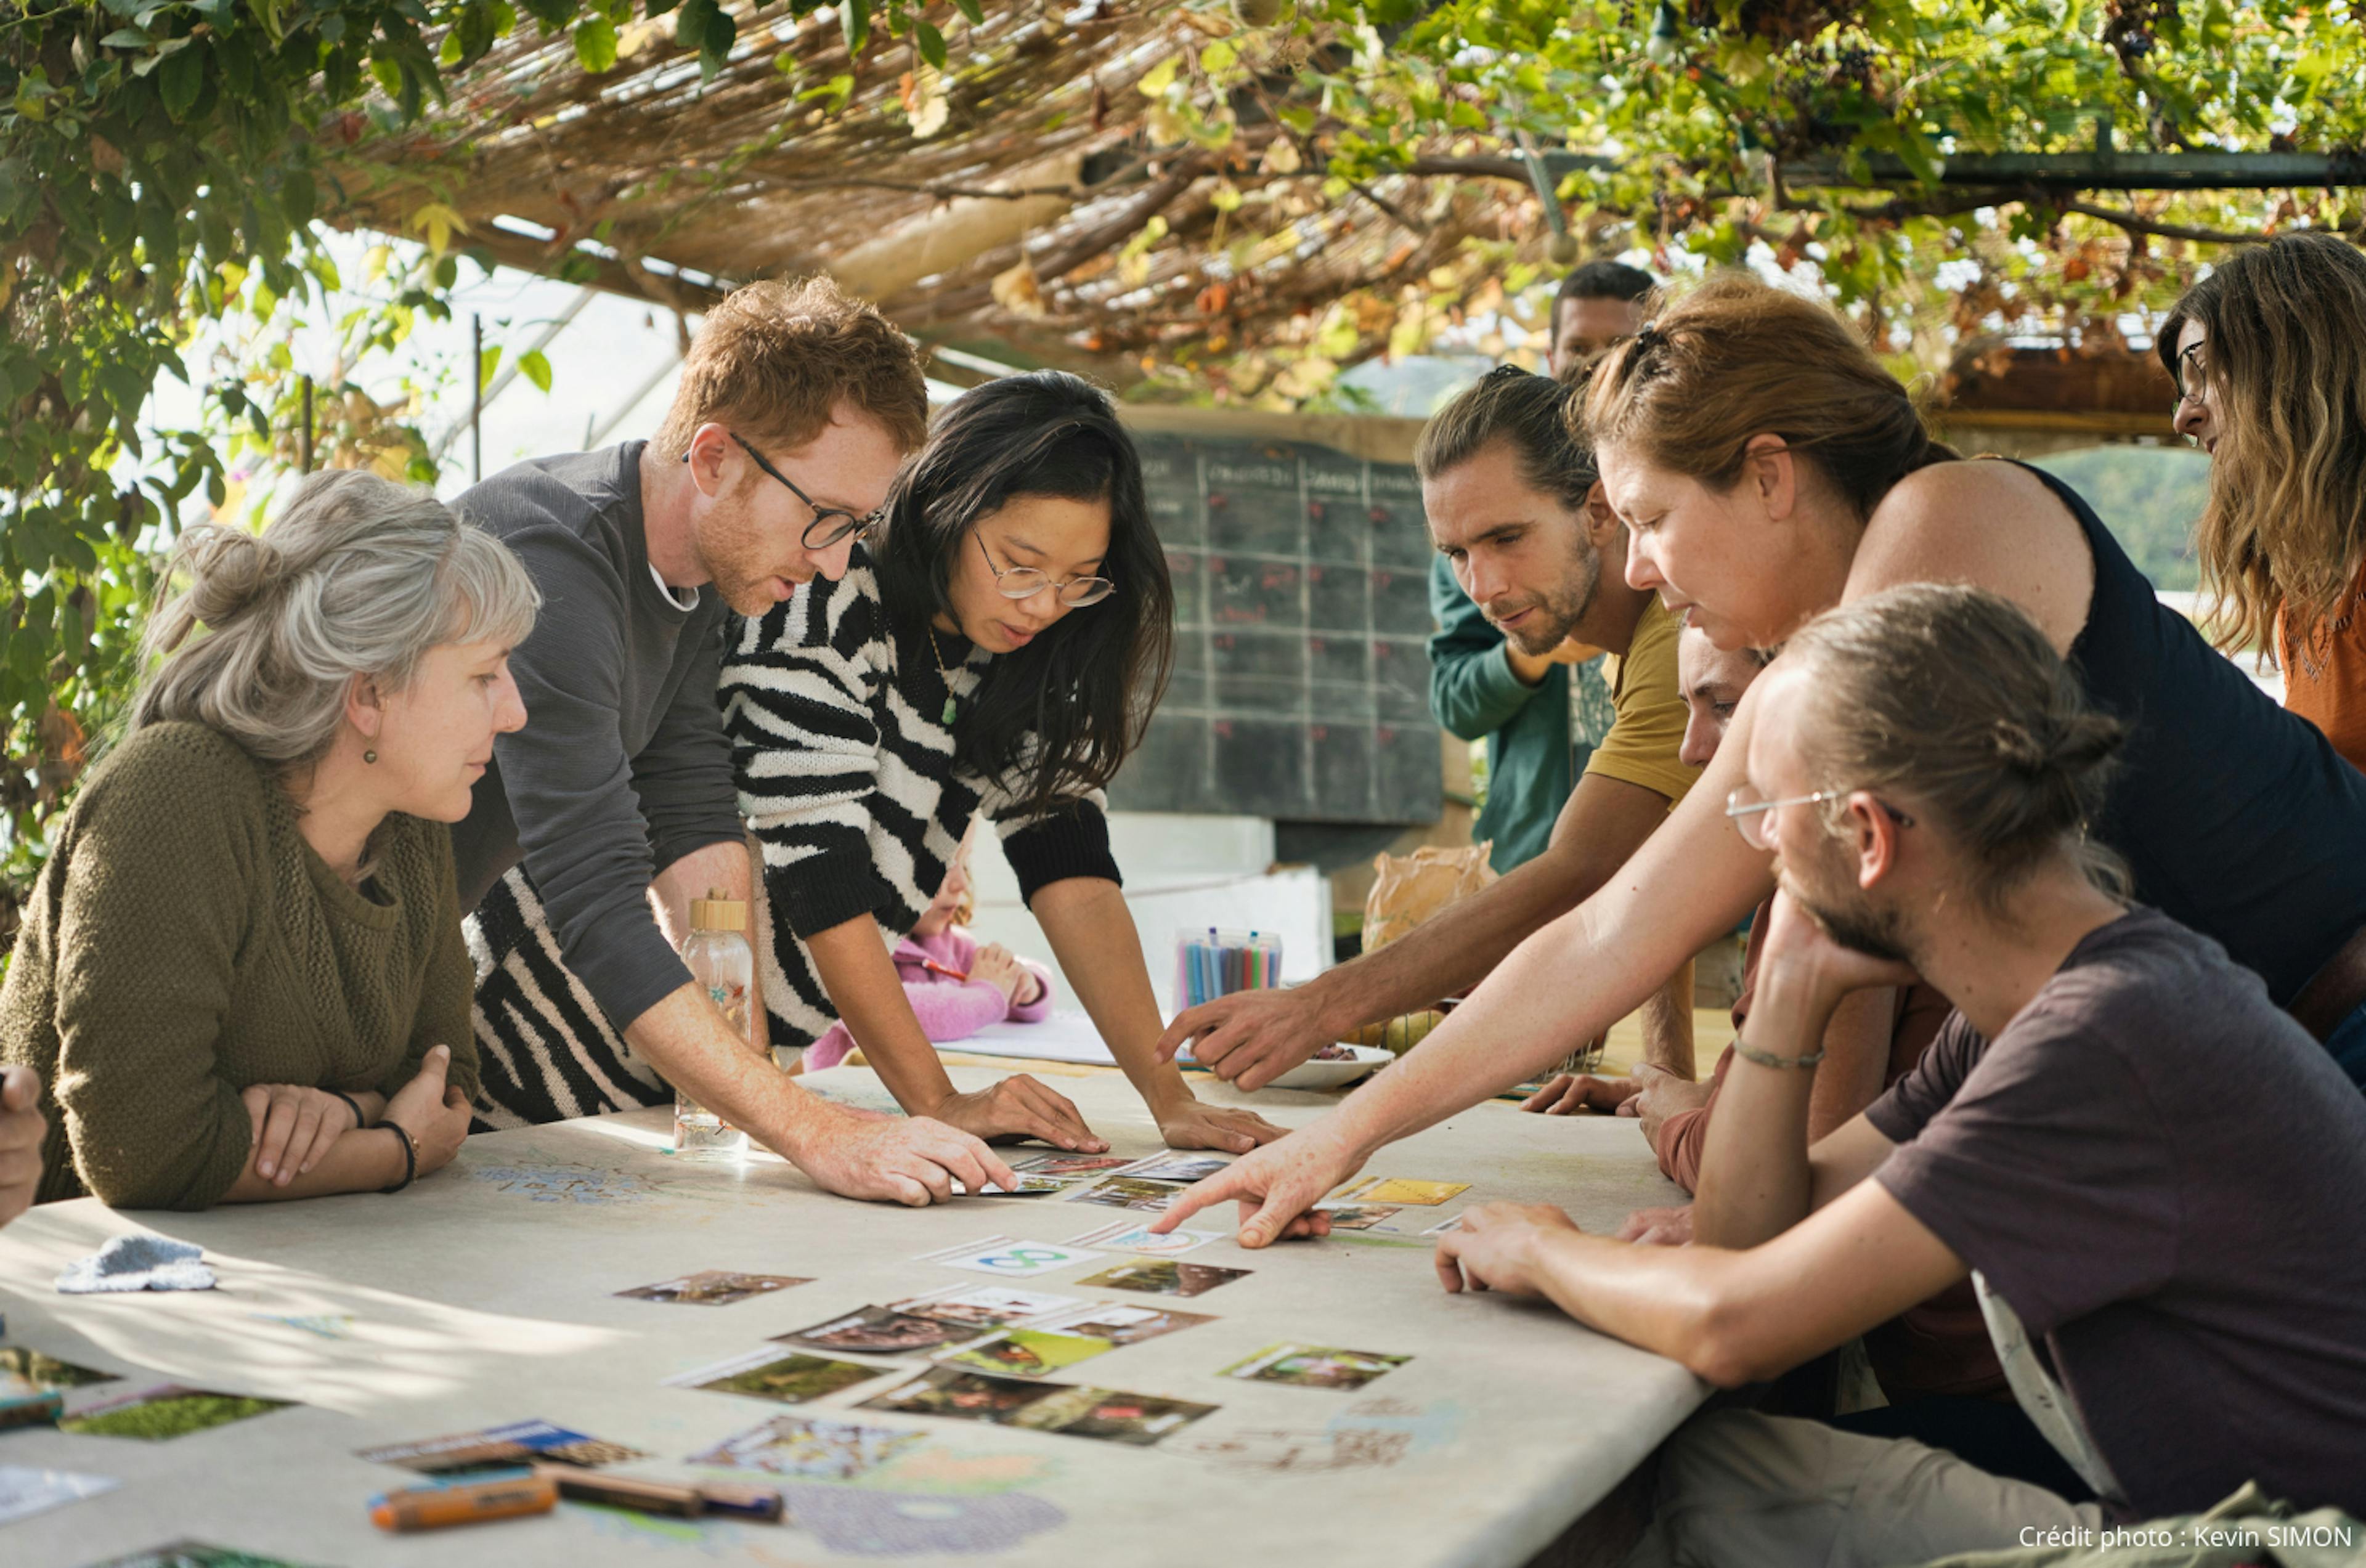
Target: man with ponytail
<point x="2184" y="1241"/>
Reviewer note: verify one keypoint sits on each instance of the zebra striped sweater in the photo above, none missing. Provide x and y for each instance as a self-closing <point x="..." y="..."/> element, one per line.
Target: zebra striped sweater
<point x="847" y="773"/>
<point x="845" y="768"/>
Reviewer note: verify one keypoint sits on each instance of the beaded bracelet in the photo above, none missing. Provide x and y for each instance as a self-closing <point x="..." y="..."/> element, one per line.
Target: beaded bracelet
<point x="1769" y="1059"/>
<point x="410" y="1156"/>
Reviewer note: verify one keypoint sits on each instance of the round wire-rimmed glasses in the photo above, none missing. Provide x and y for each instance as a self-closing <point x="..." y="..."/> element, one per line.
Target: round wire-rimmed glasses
<point x="1026" y="581"/>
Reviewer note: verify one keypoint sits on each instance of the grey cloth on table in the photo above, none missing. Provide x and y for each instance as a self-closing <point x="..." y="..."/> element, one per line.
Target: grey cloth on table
<point x="138" y="1263"/>
<point x="622" y="768"/>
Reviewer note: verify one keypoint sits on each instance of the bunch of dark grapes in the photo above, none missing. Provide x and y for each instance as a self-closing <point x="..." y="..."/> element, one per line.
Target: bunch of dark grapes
<point x="2131" y="28"/>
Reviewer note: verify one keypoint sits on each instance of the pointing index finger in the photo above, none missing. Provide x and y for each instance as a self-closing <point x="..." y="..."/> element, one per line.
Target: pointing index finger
<point x="1201" y="1194"/>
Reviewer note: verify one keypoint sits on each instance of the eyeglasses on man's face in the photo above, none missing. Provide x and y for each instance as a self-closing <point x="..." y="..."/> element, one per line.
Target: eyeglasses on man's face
<point x="831" y="525"/>
<point x="1752" y="812"/>
<point x="1026" y="581"/>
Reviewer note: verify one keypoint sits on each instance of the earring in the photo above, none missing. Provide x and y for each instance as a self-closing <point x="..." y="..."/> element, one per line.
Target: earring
<point x="370" y="756"/>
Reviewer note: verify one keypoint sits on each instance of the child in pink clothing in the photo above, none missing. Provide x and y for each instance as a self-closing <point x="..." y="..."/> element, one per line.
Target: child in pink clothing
<point x="956" y="984"/>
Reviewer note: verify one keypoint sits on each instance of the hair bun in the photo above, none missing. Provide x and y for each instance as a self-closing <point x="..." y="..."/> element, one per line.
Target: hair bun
<point x="2021" y="747"/>
<point x="230" y="571"/>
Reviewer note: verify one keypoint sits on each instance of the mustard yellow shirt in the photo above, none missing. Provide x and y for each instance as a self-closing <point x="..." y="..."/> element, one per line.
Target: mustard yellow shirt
<point x="1649" y="725"/>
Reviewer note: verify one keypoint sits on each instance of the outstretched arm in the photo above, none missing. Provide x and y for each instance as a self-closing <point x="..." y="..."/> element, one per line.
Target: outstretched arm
<point x="1093" y="935"/>
<point x="1253" y="1037"/>
<point x="1731" y="1317"/>
<point x="1694" y="878"/>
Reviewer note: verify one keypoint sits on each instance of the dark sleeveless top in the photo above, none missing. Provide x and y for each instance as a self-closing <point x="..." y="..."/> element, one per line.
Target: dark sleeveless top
<point x="2236" y="818"/>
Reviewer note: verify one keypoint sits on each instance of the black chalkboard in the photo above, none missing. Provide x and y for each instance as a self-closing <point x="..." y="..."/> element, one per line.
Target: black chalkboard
<point x="1301" y="624"/>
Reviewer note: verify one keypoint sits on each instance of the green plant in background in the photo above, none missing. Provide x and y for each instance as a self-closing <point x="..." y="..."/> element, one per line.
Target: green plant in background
<point x="162" y="166"/>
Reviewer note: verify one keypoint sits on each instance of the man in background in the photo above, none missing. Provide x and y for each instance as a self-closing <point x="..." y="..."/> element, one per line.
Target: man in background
<point x="1540" y="714"/>
<point x="1514" y="505"/>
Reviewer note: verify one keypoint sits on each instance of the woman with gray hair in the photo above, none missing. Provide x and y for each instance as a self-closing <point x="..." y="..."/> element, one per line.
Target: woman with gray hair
<point x="241" y="970"/>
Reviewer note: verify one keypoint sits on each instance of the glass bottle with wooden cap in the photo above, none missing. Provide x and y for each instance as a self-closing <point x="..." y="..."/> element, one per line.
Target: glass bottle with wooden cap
<point x="723" y="963"/>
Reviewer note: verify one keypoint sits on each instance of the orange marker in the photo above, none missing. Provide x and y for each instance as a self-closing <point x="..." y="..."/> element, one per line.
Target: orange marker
<point x="507" y="1496"/>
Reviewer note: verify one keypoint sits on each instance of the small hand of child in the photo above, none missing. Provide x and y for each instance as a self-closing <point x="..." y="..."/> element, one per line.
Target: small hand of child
<point x="994" y="965"/>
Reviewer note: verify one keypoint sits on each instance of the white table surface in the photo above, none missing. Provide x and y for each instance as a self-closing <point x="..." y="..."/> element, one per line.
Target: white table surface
<point x="483" y="1297"/>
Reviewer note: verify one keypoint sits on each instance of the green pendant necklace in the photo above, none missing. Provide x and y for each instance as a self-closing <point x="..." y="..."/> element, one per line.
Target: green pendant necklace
<point x="952" y="704"/>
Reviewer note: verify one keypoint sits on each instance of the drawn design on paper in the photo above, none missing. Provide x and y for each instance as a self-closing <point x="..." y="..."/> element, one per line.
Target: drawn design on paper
<point x="1368" y="1434"/>
<point x="897" y="1524"/>
<point x="1297" y="1448"/>
<point x="328" y="1325"/>
<point x="565" y="1183"/>
<point x="936" y="1468"/>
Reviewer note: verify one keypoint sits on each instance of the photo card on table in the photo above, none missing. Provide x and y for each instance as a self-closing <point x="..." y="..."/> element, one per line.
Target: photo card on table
<point x="1315" y="1366"/>
<point x="985" y="1307"/>
<point x="810" y="1447"/>
<point x="767" y="1374"/>
<point x="713" y="1287"/>
<point x="502" y="1448"/>
<point x="1164" y="1277"/>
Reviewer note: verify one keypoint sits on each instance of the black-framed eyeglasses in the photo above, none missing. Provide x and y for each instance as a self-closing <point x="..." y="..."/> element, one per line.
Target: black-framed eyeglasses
<point x="830" y="525"/>
<point x="2193" y="376"/>
<point x="1026" y="581"/>
<point x="1751" y="811"/>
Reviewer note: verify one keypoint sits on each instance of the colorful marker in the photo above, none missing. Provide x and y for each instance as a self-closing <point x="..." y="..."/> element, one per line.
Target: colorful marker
<point x="473" y="1500"/>
<point x="623" y="1491"/>
<point x="728" y="1500"/>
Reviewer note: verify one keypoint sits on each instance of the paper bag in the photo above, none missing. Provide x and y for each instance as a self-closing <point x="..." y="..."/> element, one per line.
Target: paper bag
<point x="1414" y="887"/>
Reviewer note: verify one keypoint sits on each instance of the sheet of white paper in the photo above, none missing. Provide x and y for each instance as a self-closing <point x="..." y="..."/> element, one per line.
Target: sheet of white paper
<point x="1062" y="1037"/>
<point x="25" y="1491"/>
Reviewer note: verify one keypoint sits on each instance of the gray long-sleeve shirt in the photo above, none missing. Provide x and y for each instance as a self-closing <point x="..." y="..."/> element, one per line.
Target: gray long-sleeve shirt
<point x="622" y="768"/>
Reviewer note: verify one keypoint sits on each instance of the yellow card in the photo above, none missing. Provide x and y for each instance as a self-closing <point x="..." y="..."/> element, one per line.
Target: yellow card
<point x="1401" y="1189"/>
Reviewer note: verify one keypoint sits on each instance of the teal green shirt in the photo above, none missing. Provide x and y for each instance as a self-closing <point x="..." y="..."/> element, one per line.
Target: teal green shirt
<point x="1534" y="752"/>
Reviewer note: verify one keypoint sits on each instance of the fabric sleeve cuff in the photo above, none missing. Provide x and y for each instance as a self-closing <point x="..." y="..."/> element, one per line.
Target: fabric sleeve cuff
<point x="817" y="892"/>
<point x="1671" y="780"/>
<point x="1073" y="843"/>
<point x="626" y="963"/>
<point x="1679" y="1148"/>
<point x="1892" y="1121"/>
<point x="678" y="846"/>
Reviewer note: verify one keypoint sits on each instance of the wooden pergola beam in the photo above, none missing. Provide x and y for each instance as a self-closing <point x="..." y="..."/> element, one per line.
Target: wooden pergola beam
<point x="2057" y="173"/>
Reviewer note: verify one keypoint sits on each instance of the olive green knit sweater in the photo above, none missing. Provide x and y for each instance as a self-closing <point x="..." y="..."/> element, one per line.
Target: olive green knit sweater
<point x="185" y="941"/>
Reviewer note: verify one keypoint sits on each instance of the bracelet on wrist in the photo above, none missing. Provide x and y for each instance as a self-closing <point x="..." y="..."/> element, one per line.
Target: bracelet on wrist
<point x="410" y="1156"/>
<point x="1769" y="1059"/>
<point x="351" y="1104"/>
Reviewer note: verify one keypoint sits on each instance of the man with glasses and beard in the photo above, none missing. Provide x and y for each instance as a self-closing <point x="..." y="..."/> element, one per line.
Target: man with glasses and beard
<point x="2170" y="1256"/>
<point x="615" y="806"/>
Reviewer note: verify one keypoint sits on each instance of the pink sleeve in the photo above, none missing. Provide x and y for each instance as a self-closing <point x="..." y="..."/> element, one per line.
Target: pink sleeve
<point x="949" y="1011"/>
<point x="1040" y="1008"/>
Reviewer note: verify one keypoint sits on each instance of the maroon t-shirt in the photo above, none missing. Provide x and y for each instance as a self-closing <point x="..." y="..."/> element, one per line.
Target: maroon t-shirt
<point x="2165" y="1177"/>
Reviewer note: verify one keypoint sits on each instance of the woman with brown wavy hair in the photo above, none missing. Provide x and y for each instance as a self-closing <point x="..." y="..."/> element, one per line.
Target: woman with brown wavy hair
<point x="1769" y="468"/>
<point x="2269" y="353"/>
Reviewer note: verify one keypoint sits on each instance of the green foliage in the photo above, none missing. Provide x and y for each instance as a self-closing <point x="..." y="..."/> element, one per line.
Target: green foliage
<point x="160" y="170"/>
<point x="2149" y="497"/>
<point x="1708" y="116"/>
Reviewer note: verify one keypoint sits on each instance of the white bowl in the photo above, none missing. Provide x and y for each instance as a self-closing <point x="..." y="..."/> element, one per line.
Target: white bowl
<point x="1314" y="1073"/>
